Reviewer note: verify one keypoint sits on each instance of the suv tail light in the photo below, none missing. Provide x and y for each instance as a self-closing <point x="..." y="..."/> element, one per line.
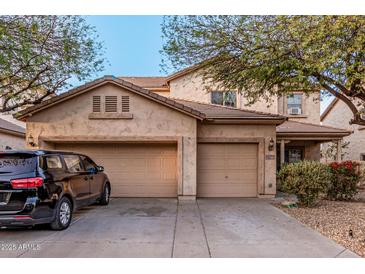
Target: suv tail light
<point x="27" y="183"/>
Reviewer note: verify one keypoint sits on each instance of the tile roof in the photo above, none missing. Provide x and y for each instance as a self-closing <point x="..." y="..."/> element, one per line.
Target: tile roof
<point x="8" y="126"/>
<point x="293" y="127"/>
<point x="111" y="79"/>
<point x="197" y="110"/>
<point x="223" y="112"/>
<point x="146" y="82"/>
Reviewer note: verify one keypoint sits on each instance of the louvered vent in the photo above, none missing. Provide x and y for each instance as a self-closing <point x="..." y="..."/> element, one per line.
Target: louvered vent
<point x="96" y="104"/>
<point x="125" y="103"/>
<point x="111" y="104"/>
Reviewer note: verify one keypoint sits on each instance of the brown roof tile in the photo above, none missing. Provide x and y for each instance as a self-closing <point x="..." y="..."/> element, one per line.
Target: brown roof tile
<point x="8" y="126"/>
<point x="222" y="112"/>
<point x="198" y="110"/>
<point x="293" y="127"/>
<point x="146" y="82"/>
<point x="111" y="79"/>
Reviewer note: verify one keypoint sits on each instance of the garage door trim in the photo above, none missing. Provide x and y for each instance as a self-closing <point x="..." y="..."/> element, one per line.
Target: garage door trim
<point x="260" y="154"/>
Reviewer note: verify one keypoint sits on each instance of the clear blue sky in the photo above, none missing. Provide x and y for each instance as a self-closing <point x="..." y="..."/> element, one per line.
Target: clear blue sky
<point x="132" y="44"/>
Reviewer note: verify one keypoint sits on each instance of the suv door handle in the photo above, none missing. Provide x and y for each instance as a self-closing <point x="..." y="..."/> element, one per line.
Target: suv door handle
<point x="91" y="178"/>
<point x="85" y="178"/>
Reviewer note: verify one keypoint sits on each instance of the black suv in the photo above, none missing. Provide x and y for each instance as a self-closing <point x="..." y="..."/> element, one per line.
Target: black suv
<point x="38" y="187"/>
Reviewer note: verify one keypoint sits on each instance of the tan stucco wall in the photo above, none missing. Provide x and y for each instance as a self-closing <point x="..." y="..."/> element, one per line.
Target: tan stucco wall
<point x="339" y="117"/>
<point x="150" y="119"/>
<point x="13" y="141"/>
<point x="311" y="109"/>
<point x="250" y="132"/>
<point x="192" y="87"/>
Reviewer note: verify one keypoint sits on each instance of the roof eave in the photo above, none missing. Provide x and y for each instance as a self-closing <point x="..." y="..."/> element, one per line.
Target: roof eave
<point x="12" y="132"/>
<point x="245" y="121"/>
<point x="328" y="109"/>
<point x="313" y="134"/>
<point x="109" y="79"/>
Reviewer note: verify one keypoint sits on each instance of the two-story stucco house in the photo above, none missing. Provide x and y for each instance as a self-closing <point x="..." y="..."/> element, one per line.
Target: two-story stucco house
<point x="337" y="114"/>
<point x="174" y="137"/>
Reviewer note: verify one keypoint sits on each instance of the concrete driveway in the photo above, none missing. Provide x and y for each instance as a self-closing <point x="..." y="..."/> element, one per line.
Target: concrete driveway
<point x="167" y="228"/>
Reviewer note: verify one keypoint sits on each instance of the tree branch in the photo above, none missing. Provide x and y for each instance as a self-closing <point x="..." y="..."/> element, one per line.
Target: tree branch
<point x="357" y="116"/>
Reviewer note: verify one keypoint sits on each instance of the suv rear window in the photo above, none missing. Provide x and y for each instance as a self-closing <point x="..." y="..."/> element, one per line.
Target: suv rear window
<point x="17" y="163"/>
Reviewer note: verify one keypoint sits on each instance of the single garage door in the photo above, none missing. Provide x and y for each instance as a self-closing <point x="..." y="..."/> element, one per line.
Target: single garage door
<point x="134" y="170"/>
<point x="227" y="170"/>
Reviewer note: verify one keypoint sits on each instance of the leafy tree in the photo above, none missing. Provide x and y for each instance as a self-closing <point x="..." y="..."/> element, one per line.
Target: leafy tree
<point x="262" y="56"/>
<point x="329" y="151"/>
<point x="38" y="54"/>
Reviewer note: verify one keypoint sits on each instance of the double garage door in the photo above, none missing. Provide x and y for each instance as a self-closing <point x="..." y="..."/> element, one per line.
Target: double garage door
<point x="150" y="170"/>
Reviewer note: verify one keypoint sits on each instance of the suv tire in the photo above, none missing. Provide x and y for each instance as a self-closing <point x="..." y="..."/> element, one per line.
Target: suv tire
<point x="63" y="214"/>
<point x="105" y="196"/>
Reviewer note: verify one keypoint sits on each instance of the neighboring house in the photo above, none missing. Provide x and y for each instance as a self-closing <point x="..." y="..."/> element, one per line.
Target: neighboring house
<point x="12" y="136"/>
<point x="168" y="136"/>
<point x="337" y="114"/>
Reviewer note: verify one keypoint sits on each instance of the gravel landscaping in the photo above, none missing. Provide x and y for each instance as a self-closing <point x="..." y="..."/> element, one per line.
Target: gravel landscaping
<point x="343" y="222"/>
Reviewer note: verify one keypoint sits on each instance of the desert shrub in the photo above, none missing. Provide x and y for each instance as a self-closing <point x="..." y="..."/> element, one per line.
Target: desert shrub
<point x="344" y="180"/>
<point x="306" y="179"/>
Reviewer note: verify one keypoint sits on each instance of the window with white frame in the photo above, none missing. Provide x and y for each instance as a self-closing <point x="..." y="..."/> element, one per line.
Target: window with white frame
<point x="224" y="98"/>
<point x="295" y="104"/>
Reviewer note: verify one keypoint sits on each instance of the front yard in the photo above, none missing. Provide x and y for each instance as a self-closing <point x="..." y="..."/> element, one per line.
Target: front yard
<point x="343" y="222"/>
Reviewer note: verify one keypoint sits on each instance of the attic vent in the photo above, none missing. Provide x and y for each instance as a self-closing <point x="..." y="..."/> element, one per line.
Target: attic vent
<point x="96" y="104"/>
<point x="111" y="103"/>
<point x="125" y="103"/>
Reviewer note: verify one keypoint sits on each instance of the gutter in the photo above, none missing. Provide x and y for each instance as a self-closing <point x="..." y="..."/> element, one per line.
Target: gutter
<point x="246" y="120"/>
<point x="13" y="132"/>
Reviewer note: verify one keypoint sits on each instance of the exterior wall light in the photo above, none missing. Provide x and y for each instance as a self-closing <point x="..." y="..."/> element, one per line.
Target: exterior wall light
<point x="271" y="144"/>
<point x="31" y="140"/>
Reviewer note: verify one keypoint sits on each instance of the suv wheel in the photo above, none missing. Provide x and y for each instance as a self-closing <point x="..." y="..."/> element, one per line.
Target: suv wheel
<point x="63" y="214"/>
<point x="105" y="196"/>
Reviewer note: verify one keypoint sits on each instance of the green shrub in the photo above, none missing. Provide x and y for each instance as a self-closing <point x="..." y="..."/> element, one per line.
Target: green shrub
<point x="306" y="179"/>
<point x="344" y="180"/>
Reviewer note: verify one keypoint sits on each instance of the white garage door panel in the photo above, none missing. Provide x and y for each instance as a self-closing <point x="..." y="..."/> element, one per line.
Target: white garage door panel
<point x="135" y="170"/>
<point x="227" y="170"/>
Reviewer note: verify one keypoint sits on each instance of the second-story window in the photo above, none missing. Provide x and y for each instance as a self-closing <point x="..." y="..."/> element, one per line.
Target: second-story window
<point x="295" y="104"/>
<point x="224" y="98"/>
